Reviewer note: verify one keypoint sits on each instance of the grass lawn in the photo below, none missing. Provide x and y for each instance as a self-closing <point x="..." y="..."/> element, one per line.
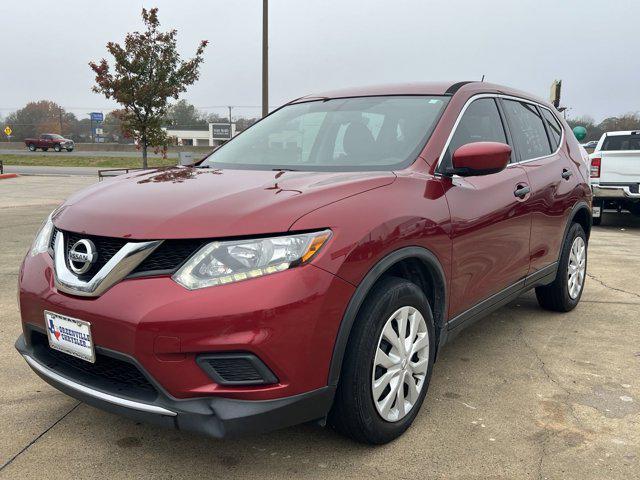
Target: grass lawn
<point x="56" y="160"/>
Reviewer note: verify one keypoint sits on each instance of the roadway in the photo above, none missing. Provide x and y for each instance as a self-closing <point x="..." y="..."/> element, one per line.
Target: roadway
<point x="83" y="153"/>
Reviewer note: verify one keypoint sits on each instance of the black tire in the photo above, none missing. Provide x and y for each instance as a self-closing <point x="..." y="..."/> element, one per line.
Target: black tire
<point x="354" y="413"/>
<point x="555" y="296"/>
<point x="69" y="149"/>
<point x="57" y="148"/>
<point x="634" y="208"/>
<point x="31" y="147"/>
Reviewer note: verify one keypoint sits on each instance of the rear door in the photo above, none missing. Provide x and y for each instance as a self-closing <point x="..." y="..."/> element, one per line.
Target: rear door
<point x="538" y="137"/>
<point x="490" y="224"/>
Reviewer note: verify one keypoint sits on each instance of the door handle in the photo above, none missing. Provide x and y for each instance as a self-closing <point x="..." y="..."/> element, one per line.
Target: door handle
<point x="566" y="174"/>
<point x="522" y="191"/>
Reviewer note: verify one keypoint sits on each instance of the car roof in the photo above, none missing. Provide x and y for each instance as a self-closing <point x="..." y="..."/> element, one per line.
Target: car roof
<point x="622" y="132"/>
<point x="421" y="88"/>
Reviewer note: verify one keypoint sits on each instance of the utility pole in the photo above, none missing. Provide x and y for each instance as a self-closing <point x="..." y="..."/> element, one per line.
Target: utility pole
<point x="60" y="118"/>
<point x="229" y="107"/>
<point x="265" y="58"/>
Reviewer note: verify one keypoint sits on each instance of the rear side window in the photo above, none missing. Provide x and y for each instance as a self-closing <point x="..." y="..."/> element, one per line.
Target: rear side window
<point x="527" y="129"/>
<point x="480" y="123"/>
<point x="553" y="127"/>
<point x="621" y="142"/>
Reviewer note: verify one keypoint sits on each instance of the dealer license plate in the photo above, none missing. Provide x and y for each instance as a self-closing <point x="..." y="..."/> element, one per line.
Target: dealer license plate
<point x="70" y="335"/>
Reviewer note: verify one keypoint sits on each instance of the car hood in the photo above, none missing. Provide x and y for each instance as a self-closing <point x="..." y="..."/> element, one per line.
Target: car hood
<point x="186" y="202"/>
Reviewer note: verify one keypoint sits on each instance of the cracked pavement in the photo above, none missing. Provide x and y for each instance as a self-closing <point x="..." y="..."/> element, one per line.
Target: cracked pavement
<point x="524" y="393"/>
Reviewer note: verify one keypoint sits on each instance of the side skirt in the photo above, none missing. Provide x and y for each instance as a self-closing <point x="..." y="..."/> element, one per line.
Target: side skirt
<point x="543" y="276"/>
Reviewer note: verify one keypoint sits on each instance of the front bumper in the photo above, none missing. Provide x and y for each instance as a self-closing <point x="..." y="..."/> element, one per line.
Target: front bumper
<point x="214" y="416"/>
<point x="613" y="191"/>
<point x="288" y="320"/>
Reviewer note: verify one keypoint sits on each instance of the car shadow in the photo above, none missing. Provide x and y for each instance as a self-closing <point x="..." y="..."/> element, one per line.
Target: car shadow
<point x="617" y="220"/>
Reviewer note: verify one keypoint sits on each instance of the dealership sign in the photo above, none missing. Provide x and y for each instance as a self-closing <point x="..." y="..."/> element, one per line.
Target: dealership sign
<point x="220" y="131"/>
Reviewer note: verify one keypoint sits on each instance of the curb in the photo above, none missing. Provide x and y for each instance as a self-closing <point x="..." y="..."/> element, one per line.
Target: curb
<point x="8" y="175"/>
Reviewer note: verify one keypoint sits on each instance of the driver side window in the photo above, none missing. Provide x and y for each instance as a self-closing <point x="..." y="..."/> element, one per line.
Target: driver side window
<point x="481" y="122"/>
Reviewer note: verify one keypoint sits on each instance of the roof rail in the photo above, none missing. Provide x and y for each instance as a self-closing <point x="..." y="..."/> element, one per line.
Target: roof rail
<point x="456" y="86"/>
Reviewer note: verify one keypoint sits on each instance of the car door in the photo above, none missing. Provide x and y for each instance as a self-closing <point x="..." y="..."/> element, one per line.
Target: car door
<point x="490" y="224"/>
<point x="537" y="136"/>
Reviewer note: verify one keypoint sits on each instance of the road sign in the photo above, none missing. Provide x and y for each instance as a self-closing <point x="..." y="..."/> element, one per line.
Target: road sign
<point x="99" y="131"/>
<point x="8" y="131"/>
<point x="96" y="116"/>
<point x="554" y="98"/>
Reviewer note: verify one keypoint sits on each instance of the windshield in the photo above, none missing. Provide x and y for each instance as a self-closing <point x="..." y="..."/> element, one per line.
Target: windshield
<point x="364" y="133"/>
<point x="55" y="136"/>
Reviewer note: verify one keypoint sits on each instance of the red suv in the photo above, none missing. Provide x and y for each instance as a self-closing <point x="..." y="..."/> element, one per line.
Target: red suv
<point x="313" y="267"/>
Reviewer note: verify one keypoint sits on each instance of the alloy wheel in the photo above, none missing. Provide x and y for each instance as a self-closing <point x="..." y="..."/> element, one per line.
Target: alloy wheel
<point x="400" y="364"/>
<point x="577" y="267"/>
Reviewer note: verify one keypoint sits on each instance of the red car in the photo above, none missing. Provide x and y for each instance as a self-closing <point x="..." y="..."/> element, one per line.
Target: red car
<point x="46" y="141"/>
<point x="312" y="268"/>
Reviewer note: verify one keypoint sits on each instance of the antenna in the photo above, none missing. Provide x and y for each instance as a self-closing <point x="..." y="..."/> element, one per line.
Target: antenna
<point x="482" y="80"/>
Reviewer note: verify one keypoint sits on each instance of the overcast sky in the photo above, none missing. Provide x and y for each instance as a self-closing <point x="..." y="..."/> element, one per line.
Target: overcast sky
<point x="317" y="45"/>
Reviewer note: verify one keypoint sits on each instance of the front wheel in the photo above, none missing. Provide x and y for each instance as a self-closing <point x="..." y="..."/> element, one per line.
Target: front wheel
<point x="387" y="364"/>
<point x="563" y="294"/>
<point x="57" y="148"/>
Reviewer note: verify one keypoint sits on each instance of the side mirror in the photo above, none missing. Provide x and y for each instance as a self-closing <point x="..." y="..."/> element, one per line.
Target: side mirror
<point x="480" y="158"/>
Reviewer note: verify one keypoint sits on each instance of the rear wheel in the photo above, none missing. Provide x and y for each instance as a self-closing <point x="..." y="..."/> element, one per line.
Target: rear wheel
<point x="564" y="293"/>
<point x="31" y="147"/>
<point x="387" y="365"/>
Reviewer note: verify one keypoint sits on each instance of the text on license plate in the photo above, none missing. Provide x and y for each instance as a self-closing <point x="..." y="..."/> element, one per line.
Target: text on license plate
<point x="70" y="335"/>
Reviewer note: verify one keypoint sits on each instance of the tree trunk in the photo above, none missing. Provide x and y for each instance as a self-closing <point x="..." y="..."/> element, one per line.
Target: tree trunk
<point x="144" y="153"/>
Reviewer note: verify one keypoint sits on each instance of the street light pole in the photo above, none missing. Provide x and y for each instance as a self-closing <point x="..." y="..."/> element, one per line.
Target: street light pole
<point x="265" y="58"/>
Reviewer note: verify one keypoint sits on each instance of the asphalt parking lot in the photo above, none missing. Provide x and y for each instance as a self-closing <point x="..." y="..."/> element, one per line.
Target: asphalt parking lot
<point x="522" y="394"/>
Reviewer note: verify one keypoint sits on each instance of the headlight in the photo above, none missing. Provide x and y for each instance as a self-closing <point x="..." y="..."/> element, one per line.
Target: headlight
<point x="43" y="237"/>
<point x="218" y="263"/>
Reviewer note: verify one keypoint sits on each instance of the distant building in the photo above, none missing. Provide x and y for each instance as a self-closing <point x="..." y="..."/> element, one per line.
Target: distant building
<point x="215" y="135"/>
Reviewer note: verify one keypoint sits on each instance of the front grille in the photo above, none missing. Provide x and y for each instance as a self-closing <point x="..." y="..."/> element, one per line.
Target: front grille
<point x="107" y="373"/>
<point x="166" y="259"/>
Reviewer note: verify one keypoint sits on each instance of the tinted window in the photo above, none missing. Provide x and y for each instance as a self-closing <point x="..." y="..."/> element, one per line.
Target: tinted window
<point x="480" y="123"/>
<point x="364" y="133"/>
<point x="554" y="128"/>
<point x="527" y="130"/>
<point x="621" y="142"/>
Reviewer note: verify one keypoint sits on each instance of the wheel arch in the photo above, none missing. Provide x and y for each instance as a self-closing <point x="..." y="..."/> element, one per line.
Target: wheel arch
<point x="581" y="213"/>
<point x="417" y="264"/>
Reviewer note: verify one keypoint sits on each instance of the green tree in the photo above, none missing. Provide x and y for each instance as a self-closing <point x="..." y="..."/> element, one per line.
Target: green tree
<point x="184" y="115"/>
<point x="147" y="72"/>
<point x="39" y="117"/>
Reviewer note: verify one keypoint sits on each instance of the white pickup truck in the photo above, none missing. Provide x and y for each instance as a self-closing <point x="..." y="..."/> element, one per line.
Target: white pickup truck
<point x="615" y="173"/>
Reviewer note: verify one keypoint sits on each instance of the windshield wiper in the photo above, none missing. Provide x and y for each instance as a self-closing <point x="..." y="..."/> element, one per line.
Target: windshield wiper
<point x="284" y="170"/>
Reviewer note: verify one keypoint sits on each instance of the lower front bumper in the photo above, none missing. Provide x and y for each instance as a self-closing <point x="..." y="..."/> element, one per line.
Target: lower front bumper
<point x="214" y="416"/>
